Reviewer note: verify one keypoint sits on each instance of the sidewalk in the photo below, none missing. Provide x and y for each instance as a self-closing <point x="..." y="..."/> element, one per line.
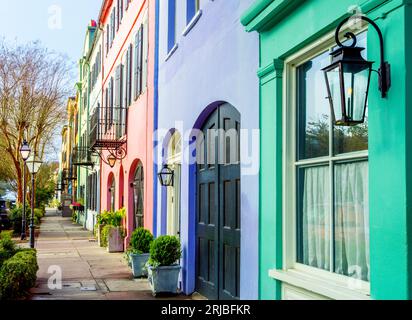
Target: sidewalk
<point x="88" y="271"/>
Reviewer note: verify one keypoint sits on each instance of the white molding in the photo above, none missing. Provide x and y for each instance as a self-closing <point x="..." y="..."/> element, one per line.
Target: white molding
<point x="192" y="23"/>
<point x="319" y="285"/>
<point x="171" y="52"/>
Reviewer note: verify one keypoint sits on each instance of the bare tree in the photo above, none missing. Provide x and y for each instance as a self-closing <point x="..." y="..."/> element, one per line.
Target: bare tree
<point x="34" y="84"/>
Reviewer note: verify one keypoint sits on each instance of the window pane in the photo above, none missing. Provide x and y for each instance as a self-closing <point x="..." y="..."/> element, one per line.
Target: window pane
<point x="313" y="109"/>
<point x="352" y="220"/>
<point x="351" y="139"/>
<point x="314" y="223"/>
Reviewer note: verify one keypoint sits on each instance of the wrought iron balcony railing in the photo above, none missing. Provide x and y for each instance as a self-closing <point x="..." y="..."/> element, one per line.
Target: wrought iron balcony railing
<point x="107" y="128"/>
<point x="82" y="156"/>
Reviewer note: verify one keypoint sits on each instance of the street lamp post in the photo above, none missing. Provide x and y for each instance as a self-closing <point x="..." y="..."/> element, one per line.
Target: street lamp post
<point x="34" y="164"/>
<point x="25" y="153"/>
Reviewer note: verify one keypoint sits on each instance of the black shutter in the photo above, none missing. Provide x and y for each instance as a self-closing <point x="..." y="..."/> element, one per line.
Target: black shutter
<point x="111" y="100"/>
<point x="140" y="60"/>
<point x="107" y="38"/>
<point x="106" y="113"/>
<point x="129" y="85"/>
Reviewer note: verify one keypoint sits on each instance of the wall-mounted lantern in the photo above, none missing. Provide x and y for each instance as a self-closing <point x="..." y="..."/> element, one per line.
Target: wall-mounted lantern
<point x="348" y="78"/>
<point x="111" y="159"/>
<point x="166" y="176"/>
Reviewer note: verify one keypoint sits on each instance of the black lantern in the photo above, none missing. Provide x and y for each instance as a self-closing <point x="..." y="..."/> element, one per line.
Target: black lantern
<point x="348" y="79"/>
<point x="166" y="176"/>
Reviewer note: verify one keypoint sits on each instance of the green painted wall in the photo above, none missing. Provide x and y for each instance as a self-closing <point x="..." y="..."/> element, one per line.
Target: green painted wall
<point x="285" y="26"/>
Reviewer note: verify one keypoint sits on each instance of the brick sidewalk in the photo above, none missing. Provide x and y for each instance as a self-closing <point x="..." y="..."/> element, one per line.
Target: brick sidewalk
<point x="88" y="271"/>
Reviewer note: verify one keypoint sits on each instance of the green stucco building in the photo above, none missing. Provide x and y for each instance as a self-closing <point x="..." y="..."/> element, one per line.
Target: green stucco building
<point x="335" y="202"/>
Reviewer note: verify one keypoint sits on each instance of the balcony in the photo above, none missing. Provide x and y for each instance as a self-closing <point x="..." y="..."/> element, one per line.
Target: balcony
<point x="82" y="156"/>
<point x="107" y="129"/>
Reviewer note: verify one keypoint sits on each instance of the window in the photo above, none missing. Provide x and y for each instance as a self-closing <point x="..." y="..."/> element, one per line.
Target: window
<point x="192" y="8"/>
<point x="129" y="65"/>
<point x="171" y="37"/>
<point x="138" y="63"/>
<point x="112" y="195"/>
<point x="119" y="11"/>
<point x="107" y="38"/>
<point x="331" y="180"/>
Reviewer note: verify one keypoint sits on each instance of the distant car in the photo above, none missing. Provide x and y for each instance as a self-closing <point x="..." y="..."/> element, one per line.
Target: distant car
<point x="4" y="216"/>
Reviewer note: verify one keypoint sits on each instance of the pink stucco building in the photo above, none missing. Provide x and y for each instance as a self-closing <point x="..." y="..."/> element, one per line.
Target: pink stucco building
<point x="128" y="28"/>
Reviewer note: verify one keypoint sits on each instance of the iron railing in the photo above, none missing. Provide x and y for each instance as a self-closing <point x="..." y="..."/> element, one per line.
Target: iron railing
<point x="107" y="128"/>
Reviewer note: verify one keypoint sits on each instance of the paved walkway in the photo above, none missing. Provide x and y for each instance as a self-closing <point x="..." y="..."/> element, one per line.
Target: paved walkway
<point x="88" y="271"/>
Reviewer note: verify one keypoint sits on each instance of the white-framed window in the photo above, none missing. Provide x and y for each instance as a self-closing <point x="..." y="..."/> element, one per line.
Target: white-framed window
<point x="326" y="208"/>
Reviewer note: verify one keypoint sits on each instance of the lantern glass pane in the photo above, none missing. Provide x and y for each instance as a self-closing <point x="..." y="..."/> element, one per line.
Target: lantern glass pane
<point x="356" y="78"/>
<point x="335" y="91"/>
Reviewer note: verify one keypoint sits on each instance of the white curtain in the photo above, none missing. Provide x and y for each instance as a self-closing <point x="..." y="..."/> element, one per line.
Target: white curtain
<point x="316" y="218"/>
<point x="352" y="220"/>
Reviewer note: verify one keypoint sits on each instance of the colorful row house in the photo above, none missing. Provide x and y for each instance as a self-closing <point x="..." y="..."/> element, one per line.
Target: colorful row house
<point x="335" y="200"/>
<point x="122" y="127"/>
<point x="208" y="137"/>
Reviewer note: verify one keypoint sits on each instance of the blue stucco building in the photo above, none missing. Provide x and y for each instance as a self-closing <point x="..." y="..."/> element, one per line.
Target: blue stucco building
<point x="207" y="80"/>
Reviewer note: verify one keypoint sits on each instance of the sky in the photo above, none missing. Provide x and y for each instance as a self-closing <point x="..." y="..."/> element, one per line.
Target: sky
<point x="60" y="25"/>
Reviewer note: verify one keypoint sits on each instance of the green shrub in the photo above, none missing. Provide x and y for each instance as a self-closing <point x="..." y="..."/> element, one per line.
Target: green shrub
<point x="15" y="217"/>
<point x="7" y="247"/>
<point x="18" y="274"/>
<point x="74" y="216"/>
<point x="140" y="241"/>
<point x="164" y="251"/>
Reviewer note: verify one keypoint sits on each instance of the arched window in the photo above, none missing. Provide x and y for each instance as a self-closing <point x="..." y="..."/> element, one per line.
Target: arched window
<point x="112" y="195"/>
<point x="138" y="196"/>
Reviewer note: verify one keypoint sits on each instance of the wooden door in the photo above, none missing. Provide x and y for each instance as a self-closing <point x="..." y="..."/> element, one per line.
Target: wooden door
<point x="218" y="209"/>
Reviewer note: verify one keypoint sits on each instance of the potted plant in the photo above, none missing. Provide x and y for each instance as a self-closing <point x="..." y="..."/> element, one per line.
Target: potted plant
<point x="140" y="242"/>
<point x="163" y="267"/>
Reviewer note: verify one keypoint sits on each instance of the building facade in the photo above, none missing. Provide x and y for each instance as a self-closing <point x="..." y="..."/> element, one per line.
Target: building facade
<point x="207" y="81"/>
<point x="89" y="91"/>
<point x="128" y="34"/>
<point x="334" y="211"/>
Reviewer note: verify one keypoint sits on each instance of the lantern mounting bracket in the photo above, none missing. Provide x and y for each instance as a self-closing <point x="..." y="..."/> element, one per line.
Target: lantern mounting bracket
<point x="385" y="68"/>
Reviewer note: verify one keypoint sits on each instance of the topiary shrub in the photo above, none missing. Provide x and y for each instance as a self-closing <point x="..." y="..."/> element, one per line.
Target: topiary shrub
<point x="18" y="274"/>
<point x="140" y="241"/>
<point x="164" y="251"/>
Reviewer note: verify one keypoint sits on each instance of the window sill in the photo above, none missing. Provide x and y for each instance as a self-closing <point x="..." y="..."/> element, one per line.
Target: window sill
<point x="192" y="23"/>
<point x="318" y="285"/>
<point x="172" y="51"/>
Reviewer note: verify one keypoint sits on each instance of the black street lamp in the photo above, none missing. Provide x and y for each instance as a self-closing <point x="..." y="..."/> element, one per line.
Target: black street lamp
<point x="348" y="78"/>
<point x="33" y="163"/>
<point x="25" y="153"/>
<point x="166" y="176"/>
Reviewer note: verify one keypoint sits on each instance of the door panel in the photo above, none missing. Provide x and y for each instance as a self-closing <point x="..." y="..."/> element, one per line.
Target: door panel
<point x="218" y="213"/>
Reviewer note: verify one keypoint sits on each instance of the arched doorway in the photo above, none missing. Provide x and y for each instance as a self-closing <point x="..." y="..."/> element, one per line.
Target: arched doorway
<point x="174" y="161"/>
<point x="218" y="205"/>
<point x="138" y="196"/>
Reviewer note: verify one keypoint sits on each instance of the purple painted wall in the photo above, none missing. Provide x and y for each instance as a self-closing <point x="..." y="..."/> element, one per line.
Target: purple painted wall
<point x="216" y="61"/>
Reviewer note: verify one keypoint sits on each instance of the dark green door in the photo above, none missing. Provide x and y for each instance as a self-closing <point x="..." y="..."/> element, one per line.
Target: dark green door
<point x="218" y="209"/>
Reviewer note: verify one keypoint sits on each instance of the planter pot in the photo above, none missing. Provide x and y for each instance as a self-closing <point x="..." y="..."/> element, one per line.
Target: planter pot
<point x="115" y="240"/>
<point x="164" y="279"/>
<point x="138" y="264"/>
